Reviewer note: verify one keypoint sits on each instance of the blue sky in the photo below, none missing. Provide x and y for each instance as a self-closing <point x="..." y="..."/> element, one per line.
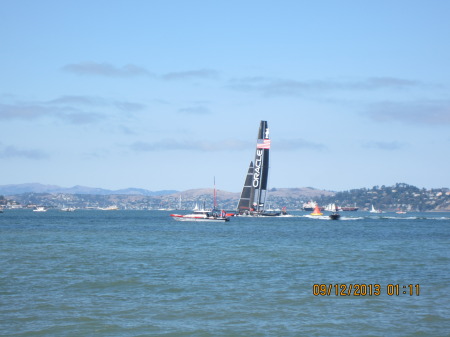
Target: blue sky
<point x="168" y="94"/>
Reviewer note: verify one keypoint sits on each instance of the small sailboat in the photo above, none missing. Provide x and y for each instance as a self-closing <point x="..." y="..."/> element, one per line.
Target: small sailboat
<point x="316" y="211"/>
<point x="40" y="209"/>
<point x="374" y="210"/>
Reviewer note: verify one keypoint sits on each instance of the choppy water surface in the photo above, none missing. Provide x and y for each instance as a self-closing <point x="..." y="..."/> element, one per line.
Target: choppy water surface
<point x="139" y="273"/>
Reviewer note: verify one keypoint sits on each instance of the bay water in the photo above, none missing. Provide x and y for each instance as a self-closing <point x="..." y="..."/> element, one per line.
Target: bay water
<point x="140" y="273"/>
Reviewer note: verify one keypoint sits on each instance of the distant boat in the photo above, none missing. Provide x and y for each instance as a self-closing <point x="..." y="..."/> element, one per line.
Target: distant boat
<point x="374" y="210"/>
<point x="109" y="208"/>
<point x="317" y="211"/>
<point x="349" y="208"/>
<point x="40" y="209"/>
<point x="309" y="206"/>
<point x="68" y="209"/>
<point x="253" y="196"/>
<point x="335" y="215"/>
<point x="203" y="215"/>
<point x="332" y="208"/>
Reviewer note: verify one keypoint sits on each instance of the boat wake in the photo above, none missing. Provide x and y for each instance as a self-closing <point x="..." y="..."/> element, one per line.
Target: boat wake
<point x="372" y="217"/>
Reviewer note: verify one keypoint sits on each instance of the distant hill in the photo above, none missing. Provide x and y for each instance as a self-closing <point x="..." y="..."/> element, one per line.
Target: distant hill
<point x="400" y="196"/>
<point x="201" y="192"/>
<point x="53" y="189"/>
<point x="302" y="192"/>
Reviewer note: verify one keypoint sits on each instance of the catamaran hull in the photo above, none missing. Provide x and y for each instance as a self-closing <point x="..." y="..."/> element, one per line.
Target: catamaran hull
<point x="271" y="214"/>
<point x="265" y="214"/>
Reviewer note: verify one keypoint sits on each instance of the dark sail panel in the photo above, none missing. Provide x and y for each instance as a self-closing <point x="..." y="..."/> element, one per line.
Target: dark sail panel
<point x="246" y="199"/>
<point x="261" y="167"/>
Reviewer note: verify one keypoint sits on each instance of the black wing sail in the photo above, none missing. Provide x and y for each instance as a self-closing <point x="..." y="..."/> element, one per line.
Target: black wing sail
<point x="261" y="167"/>
<point x="247" y="194"/>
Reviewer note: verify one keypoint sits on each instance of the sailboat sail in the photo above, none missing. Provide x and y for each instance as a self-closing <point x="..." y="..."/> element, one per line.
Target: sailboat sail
<point x="254" y="192"/>
<point x="246" y="199"/>
<point x="261" y="167"/>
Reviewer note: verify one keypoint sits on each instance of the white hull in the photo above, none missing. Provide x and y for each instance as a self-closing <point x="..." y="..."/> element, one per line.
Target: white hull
<point x="199" y="219"/>
<point x="200" y="216"/>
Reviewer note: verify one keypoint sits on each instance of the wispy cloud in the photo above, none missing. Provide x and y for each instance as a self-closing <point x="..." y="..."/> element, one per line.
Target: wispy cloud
<point x="195" y="110"/>
<point x="25" y="111"/>
<point x="128" y="106"/>
<point x="290" y="87"/>
<point x="192" y="74"/>
<point x="106" y="69"/>
<point x="78" y="100"/>
<point x="94" y="101"/>
<point x="33" y="111"/>
<point x="421" y="113"/>
<point x="14" y="152"/>
<point x="131" y="70"/>
<point x="297" y="144"/>
<point x="382" y="145"/>
<point x="175" y="145"/>
<point x="73" y="109"/>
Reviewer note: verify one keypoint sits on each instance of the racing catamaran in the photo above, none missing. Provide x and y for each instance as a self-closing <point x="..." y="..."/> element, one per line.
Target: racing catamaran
<point x="253" y="196"/>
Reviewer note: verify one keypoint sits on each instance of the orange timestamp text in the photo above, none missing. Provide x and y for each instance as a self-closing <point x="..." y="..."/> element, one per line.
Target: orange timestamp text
<point x="363" y="289"/>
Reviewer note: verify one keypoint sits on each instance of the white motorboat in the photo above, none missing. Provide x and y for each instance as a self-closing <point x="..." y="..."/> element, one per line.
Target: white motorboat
<point x="202" y="215"/>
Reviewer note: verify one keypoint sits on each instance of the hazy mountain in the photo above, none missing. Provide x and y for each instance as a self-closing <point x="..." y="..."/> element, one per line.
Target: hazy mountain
<point x="301" y="192"/>
<point x="53" y="189"/>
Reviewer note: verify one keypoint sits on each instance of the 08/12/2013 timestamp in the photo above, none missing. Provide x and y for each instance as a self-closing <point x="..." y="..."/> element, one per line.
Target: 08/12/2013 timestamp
<point x="362" y="289"/>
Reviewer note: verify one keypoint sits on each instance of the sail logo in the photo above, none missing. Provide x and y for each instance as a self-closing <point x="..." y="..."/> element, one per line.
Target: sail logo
<point x="257" y="169"/>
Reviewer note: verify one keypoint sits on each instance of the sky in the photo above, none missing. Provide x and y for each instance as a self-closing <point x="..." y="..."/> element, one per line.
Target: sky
<point x="169" y="94"/>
